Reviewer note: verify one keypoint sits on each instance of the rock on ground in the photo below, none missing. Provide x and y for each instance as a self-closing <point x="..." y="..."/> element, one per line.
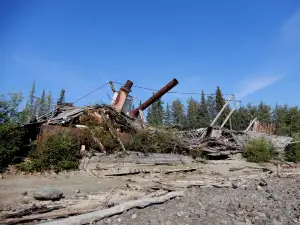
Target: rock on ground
<point x="48" y="193"/>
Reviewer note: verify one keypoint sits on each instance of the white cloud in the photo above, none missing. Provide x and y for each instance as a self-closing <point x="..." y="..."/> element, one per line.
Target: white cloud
<point x="256" y="83"/>
<point x="291" y="29"/>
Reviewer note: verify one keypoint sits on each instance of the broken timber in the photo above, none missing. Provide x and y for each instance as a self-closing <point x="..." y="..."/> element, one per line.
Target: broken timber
<point x="98" y="215"/>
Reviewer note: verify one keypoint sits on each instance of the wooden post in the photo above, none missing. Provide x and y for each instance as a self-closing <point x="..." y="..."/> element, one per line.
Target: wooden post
<point x="222" y="110"/>
<point x="250" y="125"/>
<point x="229" y="115"/>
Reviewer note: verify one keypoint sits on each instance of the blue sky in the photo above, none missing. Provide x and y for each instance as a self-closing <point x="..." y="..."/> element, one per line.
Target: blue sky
<point x="250" y="48"/>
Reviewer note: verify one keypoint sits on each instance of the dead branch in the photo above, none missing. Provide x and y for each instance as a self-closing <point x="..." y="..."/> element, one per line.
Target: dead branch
<point x="111" y="130"/>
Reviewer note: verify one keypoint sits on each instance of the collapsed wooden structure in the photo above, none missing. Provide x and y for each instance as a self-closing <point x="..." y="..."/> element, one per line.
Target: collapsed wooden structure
<point x="122" y="123"/>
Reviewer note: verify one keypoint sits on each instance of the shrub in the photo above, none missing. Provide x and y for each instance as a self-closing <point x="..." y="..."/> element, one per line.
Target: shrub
<point x="292" y="153"/>
<point x="60" y="151"/>
<point x="258" y="150"/>
<point x="14" y="145"/>
<point x="159" y="141"/>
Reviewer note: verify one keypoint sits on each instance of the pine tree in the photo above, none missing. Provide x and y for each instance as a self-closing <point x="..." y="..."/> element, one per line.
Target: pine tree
<point x="157" y="113"/>
<point x="264" y="112"/>
<point x="167" y="116"/>
<point x="43" y="104"/>
<point x="61" y="99"/>
<point x="177" y="111"/>
<point x="203" y="115"/>
<point x="49" y="102"/>
<point x="31" y="98"/>
<point x="211" y="107"/>
<point x="149" y="116"/>
<point x="220" y="102"/>
<point x="192" y="114"/>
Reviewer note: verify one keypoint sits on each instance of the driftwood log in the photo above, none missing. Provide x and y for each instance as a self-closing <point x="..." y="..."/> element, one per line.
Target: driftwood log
<point x="98" y="215"/>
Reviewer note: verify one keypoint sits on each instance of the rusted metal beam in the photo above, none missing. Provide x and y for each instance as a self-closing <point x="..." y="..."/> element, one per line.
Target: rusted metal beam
<point x="154" y="97"/>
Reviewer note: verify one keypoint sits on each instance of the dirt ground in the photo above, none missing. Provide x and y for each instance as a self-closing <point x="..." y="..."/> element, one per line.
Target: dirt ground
<point x="199" y="206"/>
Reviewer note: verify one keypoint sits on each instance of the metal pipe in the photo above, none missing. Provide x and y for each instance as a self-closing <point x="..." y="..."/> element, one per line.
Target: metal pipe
<point x="122" y="95"/>
<point x="154" y="97"/>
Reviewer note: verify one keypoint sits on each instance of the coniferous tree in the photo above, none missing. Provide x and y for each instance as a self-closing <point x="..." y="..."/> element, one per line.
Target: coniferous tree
<point x="220" y="102"/>
<point x="49" y="102"/>
<point x="264" y="112"/>
<point x="61" y="99"/>
<point x="167" y="116"/>
<point x="43" y="104"/>
<point x="192" y="114"/>
<point x="177" y="111"/>
<point x="241" y="118"/>
<point x="203" y="114"/>
<point x="149" y="116"/>
<point x="211" y="107"/>
<point x="157" y="113"/>
<point x="31" y="98"/>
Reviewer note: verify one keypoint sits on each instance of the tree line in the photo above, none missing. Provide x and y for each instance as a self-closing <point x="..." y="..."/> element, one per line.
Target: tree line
<point x="193" y="114"/>
<point x="10" y="103"/>
<point x="197" y="113"/>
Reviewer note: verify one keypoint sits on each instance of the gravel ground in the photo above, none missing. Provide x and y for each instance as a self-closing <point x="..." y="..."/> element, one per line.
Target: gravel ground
<point x="275" y="201"/>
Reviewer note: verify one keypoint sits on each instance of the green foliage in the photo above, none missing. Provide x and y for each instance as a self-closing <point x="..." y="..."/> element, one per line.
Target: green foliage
<point x="211" y="107"/>
<point x="258" y="150"/>
<point x="192" y="114"/>
<point x="43" y="104"/>
<point x="60" y="151"/>
<point x="220" y="102"/>
<point x="292" y="153"/>
<point x="159" y="142"/>
<point x="155" y="115"/>
<point x="49" y="102"/>
<point x="197" y="153"/>
<point x="9" y="107"/>
<point x="178" y="115"/>
<point x="31" y="98"/>
<point x="61" y="97"/>
<point x="167" y="116"/>
<point x="14" y="145"/>
<point x="203" y="113"/>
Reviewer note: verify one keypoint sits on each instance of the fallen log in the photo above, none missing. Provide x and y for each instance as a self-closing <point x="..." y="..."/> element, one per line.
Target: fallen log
<point x="34" y="209"/>
<point x="180" y="170"/>
<point x="98" y="215"/>
<point x="127" y="173"/>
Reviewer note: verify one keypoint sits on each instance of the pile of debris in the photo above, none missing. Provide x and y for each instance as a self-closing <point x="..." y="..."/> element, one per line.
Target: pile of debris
<point x="128" y="127"/>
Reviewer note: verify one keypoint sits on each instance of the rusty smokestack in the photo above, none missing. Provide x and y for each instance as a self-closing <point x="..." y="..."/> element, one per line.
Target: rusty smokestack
<point x="155" y="97"/>
<point x="122" y="95"/>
